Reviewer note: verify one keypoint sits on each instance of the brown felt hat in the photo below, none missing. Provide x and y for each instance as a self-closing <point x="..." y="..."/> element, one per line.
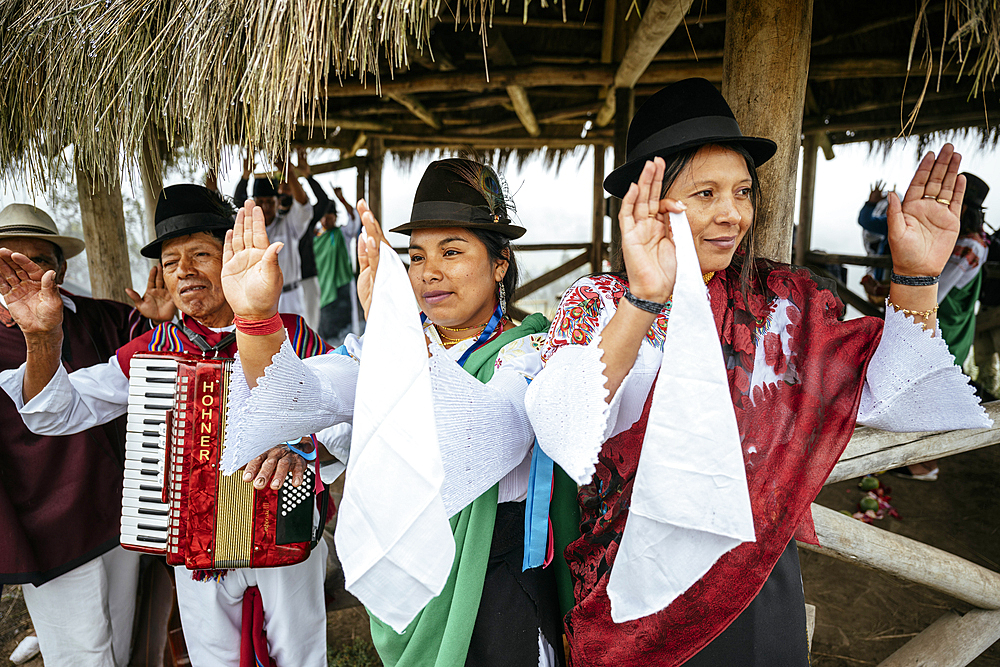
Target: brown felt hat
<point x="24" y="220"/>
<point x="460" y="193"/>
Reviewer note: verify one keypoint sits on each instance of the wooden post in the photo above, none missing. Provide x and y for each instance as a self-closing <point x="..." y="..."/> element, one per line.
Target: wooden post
<point x="597" y="231"/>
<point x="375" y="160"/>
<point x="953" y="639"/>
<point x="764" y="71"/>
<point x="803" y="244"/>
<point x="151" y="173"/>
<point x="103" y="218"/>
<point x="624" y="105"/>
<point x="362" y="188"/>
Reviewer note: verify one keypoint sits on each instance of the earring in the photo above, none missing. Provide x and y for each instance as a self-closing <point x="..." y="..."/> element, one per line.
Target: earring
<point x="503" y="299"/>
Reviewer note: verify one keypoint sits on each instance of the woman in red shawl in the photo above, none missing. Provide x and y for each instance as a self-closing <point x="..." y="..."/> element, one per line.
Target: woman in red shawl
<point x="698" y="549"/>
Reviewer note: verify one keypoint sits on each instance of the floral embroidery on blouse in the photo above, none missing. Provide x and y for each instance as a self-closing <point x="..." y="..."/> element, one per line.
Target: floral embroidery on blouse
<point x="579" y="316"/>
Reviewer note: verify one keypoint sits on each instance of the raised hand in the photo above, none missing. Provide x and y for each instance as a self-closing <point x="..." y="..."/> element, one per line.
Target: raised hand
<point x="156" y="303"/>
<point x="31" y="294"/>
<point x="368" y="252"/>
<point x="647" y="245"/>
<point x="251" y="277"/>
<point x="923" y="227"/>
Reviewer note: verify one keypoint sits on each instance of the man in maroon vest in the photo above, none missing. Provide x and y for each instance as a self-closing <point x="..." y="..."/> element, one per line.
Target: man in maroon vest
<point x="60" y="496"/>
<point x="191" y="222"/>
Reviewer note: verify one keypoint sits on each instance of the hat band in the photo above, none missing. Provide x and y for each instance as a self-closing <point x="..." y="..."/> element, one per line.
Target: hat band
<point x="686" y="131"/>
<point x="191" y="221"/>
<point x="456" y="212"/>
<point x="30" y="229"/>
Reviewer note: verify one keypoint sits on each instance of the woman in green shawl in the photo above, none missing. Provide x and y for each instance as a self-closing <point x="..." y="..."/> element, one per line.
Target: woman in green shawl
<point x="462" y="269"/>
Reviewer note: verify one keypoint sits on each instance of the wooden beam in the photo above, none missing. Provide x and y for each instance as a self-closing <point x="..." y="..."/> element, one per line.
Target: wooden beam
<point x="848" y="539"/>
<point x="417" y="142"/>
<point x="499" y="53"/>
<point x="625" y="104"/>
<point x="549" y="116"/>
<point x="359" y="142"/>
<point x="871" y="450"/>
<point x="608" y="31"/>
<point x="351" y="124"/>
<point x="803" y="241"/>
<point x="376" y="154"/>
<point x="953" y="639"/>
<point x="103" y="216"/>
<point x="764" y="80"/>
<point x="878" y="261"/>
<point x="345" y="163"/>
<point x="414" y="106"/>
<point x="552" y="276"/>
<point x="548" y="24"/>
<point x="659" y="22"/>
<point x="597" y="226"/>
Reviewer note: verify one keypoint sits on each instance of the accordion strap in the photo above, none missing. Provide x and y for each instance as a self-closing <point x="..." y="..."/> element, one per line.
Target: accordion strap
<point x="202" y="344"/>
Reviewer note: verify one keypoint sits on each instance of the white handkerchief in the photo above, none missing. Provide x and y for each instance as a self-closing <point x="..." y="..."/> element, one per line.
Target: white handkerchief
<point x="690" y="503"/>
<point x="393" y="536"/>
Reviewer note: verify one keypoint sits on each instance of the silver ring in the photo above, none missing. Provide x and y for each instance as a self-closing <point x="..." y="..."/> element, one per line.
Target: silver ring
<point x="934" y="197"/>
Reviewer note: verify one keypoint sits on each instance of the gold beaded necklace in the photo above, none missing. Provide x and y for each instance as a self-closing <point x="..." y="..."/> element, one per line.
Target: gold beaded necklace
<point x="708" y="276"/>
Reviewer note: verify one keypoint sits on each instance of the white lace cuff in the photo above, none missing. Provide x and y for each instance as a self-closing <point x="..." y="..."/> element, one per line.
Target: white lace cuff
<point x="477" y="452"/>
<point x="291" y="400"/>
<point x="913" y="383"/>
<point x="566" y="404"/>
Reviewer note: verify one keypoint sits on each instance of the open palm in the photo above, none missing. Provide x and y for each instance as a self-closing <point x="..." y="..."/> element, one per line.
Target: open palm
<point x="251" y="277"/>
<point x="647" y="247"/>
<point x="31" y="294"/>
<point x="923" y="227"/>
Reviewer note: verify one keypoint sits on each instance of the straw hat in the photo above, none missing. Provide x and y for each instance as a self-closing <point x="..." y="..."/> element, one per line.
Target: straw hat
<point x="26" y="221"/>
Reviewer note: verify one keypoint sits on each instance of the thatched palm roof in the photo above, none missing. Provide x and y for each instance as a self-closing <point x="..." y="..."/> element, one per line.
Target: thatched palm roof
<point x="107" y="75"/>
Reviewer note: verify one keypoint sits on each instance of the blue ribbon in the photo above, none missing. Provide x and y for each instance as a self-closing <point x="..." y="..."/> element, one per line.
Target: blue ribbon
<point x="485" y="336"/>
<point x="536" y="510"/>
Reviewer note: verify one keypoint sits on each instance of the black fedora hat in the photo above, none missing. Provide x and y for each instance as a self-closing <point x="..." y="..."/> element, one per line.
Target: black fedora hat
<point x="264" y="187"/>
<point x="683" y="115"/>
<point x="188" y="209"/>
<point x="460" y="193"/>
<point x="975" y="190"/>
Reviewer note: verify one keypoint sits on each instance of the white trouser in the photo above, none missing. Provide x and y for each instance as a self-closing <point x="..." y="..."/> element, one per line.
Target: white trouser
<point x="293" y="302"/>
<point x="84" y="617"/>
<point x="294" y="613"/>
<point x="310" y="302"/>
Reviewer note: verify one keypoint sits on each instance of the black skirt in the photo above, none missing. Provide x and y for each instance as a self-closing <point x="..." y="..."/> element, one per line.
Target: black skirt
<point x="771" y="631"/>
<point x="515" y="604"/>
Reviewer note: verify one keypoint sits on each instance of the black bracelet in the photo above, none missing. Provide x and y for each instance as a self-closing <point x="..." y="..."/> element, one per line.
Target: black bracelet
<point x="642" y="304"/>
<point x="915" y="281"/>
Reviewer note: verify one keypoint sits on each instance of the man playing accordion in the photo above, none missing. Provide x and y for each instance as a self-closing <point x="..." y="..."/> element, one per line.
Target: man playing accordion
<point x="191" y="222"/>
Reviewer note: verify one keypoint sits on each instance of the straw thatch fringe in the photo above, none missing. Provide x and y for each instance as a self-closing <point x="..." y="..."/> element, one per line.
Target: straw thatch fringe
<point x="207" y="74"/>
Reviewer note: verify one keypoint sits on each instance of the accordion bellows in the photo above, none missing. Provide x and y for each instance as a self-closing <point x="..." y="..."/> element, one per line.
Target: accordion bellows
<point x="176" y="502"/>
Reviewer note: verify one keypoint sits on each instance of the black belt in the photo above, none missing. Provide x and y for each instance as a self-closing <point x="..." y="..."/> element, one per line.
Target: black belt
<point x="290" y="286"/>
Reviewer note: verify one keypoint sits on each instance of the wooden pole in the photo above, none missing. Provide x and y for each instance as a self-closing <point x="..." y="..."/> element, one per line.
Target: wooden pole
<point x="803" y="245"/>
<point x="376" y="154"/>
<point x="764" y="73"/>
<point x="362" y="189"/>
<point x="103" y="218"/>
<point x="659" y="21"/>
<point x="624" y="103"/>
<point x="151" y="174"/>
<point x="954" y="640"/>
<point x="848" y="539"/>
<point x="597" y="229"/>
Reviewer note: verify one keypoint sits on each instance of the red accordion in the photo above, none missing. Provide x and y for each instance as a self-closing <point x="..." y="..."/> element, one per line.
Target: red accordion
<point x="176" y="502"/>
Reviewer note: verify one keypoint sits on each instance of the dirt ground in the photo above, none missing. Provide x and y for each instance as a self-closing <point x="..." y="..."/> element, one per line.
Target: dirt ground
<point x="861" y="616"/>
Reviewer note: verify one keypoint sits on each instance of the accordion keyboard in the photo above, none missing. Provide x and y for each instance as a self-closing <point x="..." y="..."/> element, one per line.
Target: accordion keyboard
<point x="152" y="383"/>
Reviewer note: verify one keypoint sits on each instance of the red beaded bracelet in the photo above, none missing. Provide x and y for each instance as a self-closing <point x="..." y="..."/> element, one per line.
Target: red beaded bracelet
<point x="258" y="327"/>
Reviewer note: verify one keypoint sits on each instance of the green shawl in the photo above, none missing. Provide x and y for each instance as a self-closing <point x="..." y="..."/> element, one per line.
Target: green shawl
<point x="957" y="318"/>
<point x="441" y="632"/>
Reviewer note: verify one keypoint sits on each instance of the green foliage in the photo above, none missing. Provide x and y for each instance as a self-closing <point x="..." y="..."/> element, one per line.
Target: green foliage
<point x="359" y="653"/>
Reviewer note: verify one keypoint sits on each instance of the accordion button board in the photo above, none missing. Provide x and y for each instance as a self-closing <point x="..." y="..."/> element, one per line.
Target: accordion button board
<point x="176" y="501"/>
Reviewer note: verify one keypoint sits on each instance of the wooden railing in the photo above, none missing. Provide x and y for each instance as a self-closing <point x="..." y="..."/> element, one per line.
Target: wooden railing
<point x="954" y="639"/>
